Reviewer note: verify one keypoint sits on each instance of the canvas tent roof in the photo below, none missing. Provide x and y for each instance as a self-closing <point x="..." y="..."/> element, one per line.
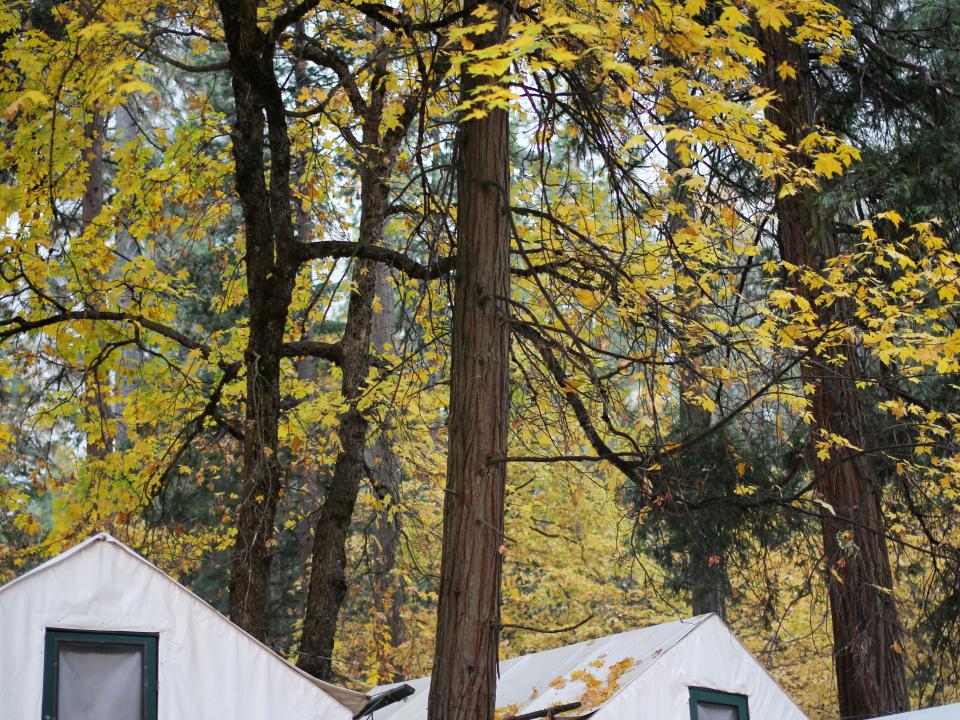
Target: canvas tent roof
<point x="646" y="671"/>
<point x="101" y="584"/>
<point x="944" y="712"/>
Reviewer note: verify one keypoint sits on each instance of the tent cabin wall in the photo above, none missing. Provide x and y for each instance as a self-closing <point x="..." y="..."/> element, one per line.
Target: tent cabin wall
<point x="206" y="666"/>
<point x="941" y="712"/>
<point x="658" y="666"/>
<point x="709" y="657"/>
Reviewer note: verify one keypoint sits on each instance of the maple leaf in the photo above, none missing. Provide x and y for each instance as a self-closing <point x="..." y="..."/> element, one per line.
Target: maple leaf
<point x="771" y="15"/>
<point x="785" y="70"/>
<point x="947" y="293"/>
<point x="892" y="215"/>
<point x="827" y="165"/>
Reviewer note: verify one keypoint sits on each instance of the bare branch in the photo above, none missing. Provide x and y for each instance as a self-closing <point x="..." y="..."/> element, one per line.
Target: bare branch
<point x="333" y="62"/>
<point x="391" y="258"/>
<point x="548" y="631"/>
<point x="311" y="348"/>
<point x="18" y="325"/>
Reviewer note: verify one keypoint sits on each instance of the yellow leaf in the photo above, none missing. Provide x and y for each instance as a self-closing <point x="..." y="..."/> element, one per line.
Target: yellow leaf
<point x="771" y="15"/>
<point x="826" y="164"/>
<point x="947" y="293"/>
<point x="891" y="215"/>
<point x="560" y="56"/>
<point x="782" y="299"/>
<point x="785" y="70"/>
<point x="27" y="101"/>
<point x="586" y="298"/>
<point x="132" y="86"/>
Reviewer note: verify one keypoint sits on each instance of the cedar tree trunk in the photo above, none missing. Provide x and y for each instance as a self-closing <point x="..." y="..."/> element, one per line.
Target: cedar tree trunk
<point x="463" y="685"/>
<point x="866" y="631"/>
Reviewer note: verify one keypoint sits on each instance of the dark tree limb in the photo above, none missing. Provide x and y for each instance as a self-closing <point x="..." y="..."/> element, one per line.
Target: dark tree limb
<point x="332" y="249"/>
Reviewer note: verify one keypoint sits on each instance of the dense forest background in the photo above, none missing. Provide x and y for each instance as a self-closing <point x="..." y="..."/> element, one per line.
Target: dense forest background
<point x="280" y="280"/>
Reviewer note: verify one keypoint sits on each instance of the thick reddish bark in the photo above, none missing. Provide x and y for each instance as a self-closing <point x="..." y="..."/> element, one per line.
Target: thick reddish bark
<point x="871" y="680"/>
<point x="463" y="685"/>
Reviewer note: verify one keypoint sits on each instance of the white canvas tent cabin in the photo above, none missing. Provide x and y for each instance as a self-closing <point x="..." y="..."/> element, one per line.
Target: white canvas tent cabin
<point x="685" y="670"/>
<point x="943" y="712"/>
<point x="99" y="633"/>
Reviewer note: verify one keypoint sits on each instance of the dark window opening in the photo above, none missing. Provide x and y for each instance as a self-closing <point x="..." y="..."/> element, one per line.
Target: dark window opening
<point x="99" y="676"/>
<point x="715" y="705"/>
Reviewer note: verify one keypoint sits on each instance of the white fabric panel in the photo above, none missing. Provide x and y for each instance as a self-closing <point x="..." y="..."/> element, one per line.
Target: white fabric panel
<point x="665" y="662"/>
<point x="528" y="683"/>
<point x="709" y="657"/>
<point x="710" y="711"/>
<point x="208" y="668"/>
<point x="100" y="684"/>
<point x="943" y="712"/>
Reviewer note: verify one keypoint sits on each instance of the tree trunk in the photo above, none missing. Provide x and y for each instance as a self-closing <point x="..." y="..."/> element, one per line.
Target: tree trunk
<point x="91" y="204"/>
<point x="271" y="271"/>
<point x="328" y="583"/>
<point x="706" y="574"/>
<point x="328" y="567"/>
<point x="867" y="641"/>
<point x="708" y="594"/>
<point x="463" y="685"/>
<point x="328" y="580"/>
<point x="127" y="133"/>
<point x="386" y="591"/>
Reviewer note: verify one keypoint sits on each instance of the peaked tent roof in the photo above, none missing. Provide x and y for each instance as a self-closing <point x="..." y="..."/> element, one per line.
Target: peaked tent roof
<point x="351" y="700"/>
<point x="943" y="712"/>
<point x="543" y="679"/>
<point x="593" y="672"/>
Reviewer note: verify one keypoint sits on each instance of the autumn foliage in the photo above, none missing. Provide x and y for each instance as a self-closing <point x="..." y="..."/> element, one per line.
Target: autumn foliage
<point x="232" y="235"/>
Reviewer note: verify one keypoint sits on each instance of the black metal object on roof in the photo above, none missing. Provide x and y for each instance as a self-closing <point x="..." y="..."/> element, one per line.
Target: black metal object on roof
<point x="388" y="697"/>
<point x="548" y="713"/>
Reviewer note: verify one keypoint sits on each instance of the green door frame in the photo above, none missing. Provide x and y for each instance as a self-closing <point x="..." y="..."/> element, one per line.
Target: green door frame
<point x="51" y="662"/>
<point x="699" y="695"/>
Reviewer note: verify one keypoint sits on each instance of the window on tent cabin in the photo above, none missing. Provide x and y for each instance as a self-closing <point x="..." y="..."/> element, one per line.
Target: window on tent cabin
<point x="103" y="675"/>
<point x="708" y="704"/>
